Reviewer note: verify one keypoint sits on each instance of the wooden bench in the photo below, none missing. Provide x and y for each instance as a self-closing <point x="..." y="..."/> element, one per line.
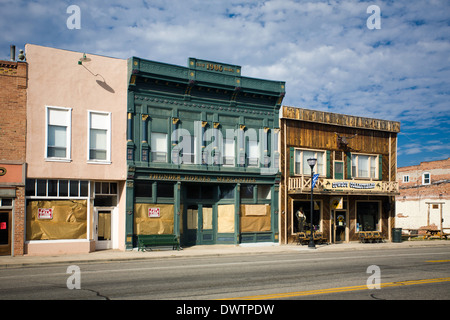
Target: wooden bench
<point x="413" y="233"/>
<point x="370" y="236"/>
<point x="436" y="234"/>
<point x="148" y="241"/>
<point x="304" y="237"/>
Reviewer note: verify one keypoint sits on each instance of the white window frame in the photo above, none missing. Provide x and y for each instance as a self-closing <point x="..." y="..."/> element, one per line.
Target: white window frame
<point x="323" y="163"/>
<point x="189" y="154"/>
<point x="67" y="158"/>
<point x="423" y="178"/>
<point x="253" y="153"/>
<point x="405" y="178"/>
<point x="108" y="138"/>
<point x="355" y="174"/>
<point x="154" y="148"/>
<point x="229" y="152"/>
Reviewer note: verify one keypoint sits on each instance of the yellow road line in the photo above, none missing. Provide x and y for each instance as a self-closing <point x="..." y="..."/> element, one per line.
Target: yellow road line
<point x="438" y="261"/>
<point x="336" y="290"/>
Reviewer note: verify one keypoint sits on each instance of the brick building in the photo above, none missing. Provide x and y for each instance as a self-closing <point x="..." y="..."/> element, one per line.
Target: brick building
<point x="424" y="196"/>
<point x="13" y="97"/>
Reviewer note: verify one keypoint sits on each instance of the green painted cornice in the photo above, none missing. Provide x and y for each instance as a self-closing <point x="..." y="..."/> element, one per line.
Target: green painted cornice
<point x="207" y="75"/>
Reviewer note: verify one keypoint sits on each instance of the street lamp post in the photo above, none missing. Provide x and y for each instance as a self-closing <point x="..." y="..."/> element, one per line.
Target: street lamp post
<point x="312" y="163"/>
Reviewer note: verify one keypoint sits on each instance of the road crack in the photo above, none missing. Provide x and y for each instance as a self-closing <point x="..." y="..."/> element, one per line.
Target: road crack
<point x="376" y="298"/>
<point x="97" y="293"/>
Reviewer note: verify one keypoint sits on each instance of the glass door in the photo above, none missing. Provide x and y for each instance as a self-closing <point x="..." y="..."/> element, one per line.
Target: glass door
<point x="5" y="232"/>
<point x="340" y="224"/>
<point x="207" y="229"/>
<point x="190" y="227"/>
<point x="102" y="228"/>
<point x="199" y="225"/>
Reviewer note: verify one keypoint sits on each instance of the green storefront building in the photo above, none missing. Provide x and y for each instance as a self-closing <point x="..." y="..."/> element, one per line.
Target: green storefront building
<point x="202" y="153"/>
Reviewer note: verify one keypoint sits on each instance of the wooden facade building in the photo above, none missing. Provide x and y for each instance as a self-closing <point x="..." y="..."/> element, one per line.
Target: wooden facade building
<point x="356" y="163"/>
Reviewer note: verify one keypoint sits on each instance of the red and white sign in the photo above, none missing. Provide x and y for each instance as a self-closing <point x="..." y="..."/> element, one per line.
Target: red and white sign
<point x="45" y="213"/>
<point x="154" y="213"/>
<point x="2" y="225"/>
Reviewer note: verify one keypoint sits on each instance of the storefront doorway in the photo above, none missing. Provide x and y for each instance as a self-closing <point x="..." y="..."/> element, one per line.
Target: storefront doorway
<point x="198" y="224"/>
<point x="103" y="228"/>
<point x="340" y="226"/>
<point x="5" y="232"/>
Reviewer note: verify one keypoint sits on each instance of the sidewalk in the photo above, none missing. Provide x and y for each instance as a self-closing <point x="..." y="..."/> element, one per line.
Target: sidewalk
<point x="206" y="250"/>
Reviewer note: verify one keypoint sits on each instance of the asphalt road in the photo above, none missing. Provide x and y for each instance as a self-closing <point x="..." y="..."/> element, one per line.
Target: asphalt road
<point x="299" y="275"/>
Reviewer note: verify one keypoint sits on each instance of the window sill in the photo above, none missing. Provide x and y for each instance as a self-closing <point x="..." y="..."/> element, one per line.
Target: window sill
<point x="98" y="162"/>
<point x="58" y="160"/>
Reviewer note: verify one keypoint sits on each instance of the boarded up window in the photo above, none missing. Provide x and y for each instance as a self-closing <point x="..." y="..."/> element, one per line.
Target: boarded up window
<point x="207" y="218"/>
<point x="225" y="218"/>
<point x="255" y="218"/>
<point x="67" y="221"/>
<point x="143" y="224"/>
<point x="192" y="215"/>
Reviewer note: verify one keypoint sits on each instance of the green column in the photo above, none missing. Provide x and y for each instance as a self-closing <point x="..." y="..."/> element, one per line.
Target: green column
<point x="237" y="209"/>
<point x="177" y="209"/>
<point x="129" y="219"/>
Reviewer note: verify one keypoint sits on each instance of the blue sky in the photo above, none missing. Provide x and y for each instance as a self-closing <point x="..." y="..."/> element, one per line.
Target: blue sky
<point x="325" y="52"/>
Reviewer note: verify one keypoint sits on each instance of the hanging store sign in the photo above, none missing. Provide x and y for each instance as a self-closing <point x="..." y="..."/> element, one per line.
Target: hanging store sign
<point x="154" y="213"/>
<point x="46" y="214"/>
<point x="347" y="185"/>
<point x="337" y="203"/>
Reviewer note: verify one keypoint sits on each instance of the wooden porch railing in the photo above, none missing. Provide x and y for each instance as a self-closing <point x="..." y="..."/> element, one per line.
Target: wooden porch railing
<point x="303" y="183"/>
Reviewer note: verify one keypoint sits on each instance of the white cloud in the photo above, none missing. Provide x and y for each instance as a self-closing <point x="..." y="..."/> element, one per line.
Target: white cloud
<point x="322" y="49"/>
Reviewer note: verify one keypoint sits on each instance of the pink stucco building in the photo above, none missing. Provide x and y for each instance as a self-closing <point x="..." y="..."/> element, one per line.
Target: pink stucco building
<point x="76" y="146"/>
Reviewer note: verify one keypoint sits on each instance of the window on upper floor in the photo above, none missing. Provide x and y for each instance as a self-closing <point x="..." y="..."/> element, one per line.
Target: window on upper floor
<point x="301" y="163"/>
<point x="189" y="146"/>
<point x="159" y="147"/>
<point x="426" y="178"/>
<point x="58" y="133"/>
<point x="365" y="166"/>
<point x="99" y="136"/>
<point x="406" y="178"/>
<point x="229" y="153"/>
<point x="253" y="153"/>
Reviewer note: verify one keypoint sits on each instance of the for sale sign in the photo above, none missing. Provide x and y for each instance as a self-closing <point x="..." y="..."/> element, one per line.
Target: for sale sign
<point x="154" y="213"/>
<point x="45" y="213"/>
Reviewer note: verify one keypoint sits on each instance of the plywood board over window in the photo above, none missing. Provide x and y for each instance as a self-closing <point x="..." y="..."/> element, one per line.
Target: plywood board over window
<point x="207" y="218"/>
<point x="225" y="218"/>
<point x="144" y="224"/>
<point x="255" y="218"/>
<point x="66" y="219"/>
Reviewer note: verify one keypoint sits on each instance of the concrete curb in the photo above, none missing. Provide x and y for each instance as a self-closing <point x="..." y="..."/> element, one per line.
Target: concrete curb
<point x="205" y="251"/>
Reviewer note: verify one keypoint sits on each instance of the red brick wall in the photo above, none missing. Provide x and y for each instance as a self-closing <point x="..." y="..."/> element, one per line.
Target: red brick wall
<point x="19" y="221"/>
<point x="13" y="97"/>
<point x="13" y="126"/>
<point x="414" y="189"/>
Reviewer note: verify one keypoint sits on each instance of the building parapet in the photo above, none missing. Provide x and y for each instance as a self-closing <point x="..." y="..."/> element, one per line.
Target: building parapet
<point x="317" y="116"/>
